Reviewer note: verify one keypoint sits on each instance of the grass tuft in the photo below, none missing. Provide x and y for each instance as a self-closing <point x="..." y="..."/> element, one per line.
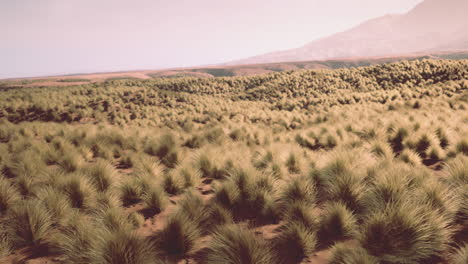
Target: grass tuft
<point x="233" y="244"/>
<point x="346" y="254"/>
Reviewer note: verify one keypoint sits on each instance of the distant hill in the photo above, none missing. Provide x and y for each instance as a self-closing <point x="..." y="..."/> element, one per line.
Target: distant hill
<point x="433" y="25"/>
<point x="225" y="71"/>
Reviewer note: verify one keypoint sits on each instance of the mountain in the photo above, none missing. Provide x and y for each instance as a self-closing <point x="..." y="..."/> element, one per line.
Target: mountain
<point x="433" y="25"/>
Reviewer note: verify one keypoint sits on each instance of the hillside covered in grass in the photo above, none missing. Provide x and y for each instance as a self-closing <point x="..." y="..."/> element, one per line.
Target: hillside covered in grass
<point x="365" y="165"/>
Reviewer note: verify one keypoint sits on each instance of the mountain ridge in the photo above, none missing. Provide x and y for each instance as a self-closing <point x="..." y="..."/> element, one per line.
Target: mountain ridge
<point x="432" y="25"/>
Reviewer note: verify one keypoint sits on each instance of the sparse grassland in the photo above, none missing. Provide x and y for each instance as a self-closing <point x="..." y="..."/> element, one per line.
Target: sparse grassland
<point x="361" y="165"/>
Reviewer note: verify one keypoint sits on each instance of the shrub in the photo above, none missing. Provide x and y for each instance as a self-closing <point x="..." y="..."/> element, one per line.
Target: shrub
<point x="346" y="254"/>
<point x="337" y="223"/>
<point x="405" y="233"/>
<point x="233" y="244"/>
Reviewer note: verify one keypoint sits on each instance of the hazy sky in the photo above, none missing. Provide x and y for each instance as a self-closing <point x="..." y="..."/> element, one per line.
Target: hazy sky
<point x="47" y="37"/>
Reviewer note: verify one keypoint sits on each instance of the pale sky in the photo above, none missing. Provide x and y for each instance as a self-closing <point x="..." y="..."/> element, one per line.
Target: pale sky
<point x="50" y="37"/>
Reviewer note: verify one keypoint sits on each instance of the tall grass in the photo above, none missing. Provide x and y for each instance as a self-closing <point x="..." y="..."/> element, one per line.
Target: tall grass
<point x="233" y="244"/>
<point x="406" y="233"/>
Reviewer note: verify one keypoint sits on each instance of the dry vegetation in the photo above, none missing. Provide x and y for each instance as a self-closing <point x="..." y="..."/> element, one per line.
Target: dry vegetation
<point x="364" y="165"/>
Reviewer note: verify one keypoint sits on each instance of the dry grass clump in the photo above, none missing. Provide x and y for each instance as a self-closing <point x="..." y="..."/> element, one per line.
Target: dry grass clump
<point x="28" y="223"/>
<point x="56" y="202"/>
<point x="5" y="245"/>
<point x="123" y="247"/>
<point x="298" y="190"/>
<point x="337" y="223"/>
<point x="130" y="191"/>
<point x="406" y="233"/>
<point x="460" y="256"/>
<point x="8" y="195"/>
<point x="155" y="200"/>
<point x="458" y="171"/>
<point x="391" y="185"/>
<point x="113" y="219"/>
<point x="347" y="254"/>
<point x="410" y="157"/>
<point x="381" y="149"/>
<point x="101" y="174"/>
<point x="77" y="240"/>
<point x="178" y="238"/>
<point x="79" y="190"/>
<point x="165" y="149"/>
<point x="248" y="194"/>
<point x="307" y="158"/>
<point x="233" y="244"/>
<point x="295" y="242"/>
